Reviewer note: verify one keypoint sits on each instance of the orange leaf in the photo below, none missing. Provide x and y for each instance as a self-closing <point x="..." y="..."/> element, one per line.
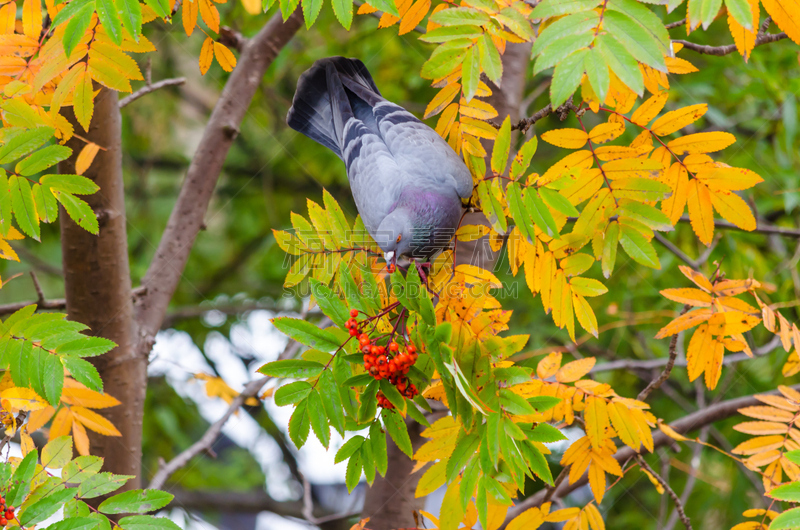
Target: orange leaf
<point x="8" y="15"/>
<point x="189" y="15"/>
<point x="676" y="65"/>
<point x="61" y="424"/>
<point x="81" y="438"/>
<point x="697" y="278"/>
<point x="87" y="398"/>
<point x="414" y="16"/>
<point x="759" y="445"/>
<point x="38" y="418"/>
<point x="596" y="418"/>
<point x="23" y="398"/>
<point x="624" y="424"/>
<point x="210" y="15"/>
<point x="548" y="366"/>
<point x="734" y="287"/>
<point x="567" y="138"/>
<point x="704" y="142"/>
<point x="650" y="109"/>
<point x="701" y="214"/>
<point x="744" y="38"/>
<point x="32" y="18"/>
<point x="714" y="357"/>
<point x="686" y="321"/>
<point x="206" y="53"/>
<point x="762" y="427"/>
<point x="762" y="412"/>
<point x="605" y="132"/>
<point x="733" y="208"/>
<point x="574" y="370"/>
<point x="442" y="98"/>
<point x="447" y="119"/>
<point x="86" y="157"/>
<point x="597" y="481"/>
<point x="688" y="295"/>
<point x="678" y="119"/>
<point x="676" y="178"/>
<point x="94" y="421"/>
<point x="698" y="351"/>
<point x="225" y="57"/>
<point x="786" y="14"/>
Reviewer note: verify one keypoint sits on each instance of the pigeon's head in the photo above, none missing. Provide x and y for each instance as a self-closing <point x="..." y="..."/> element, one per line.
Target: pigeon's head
<point x="395" y="235"/>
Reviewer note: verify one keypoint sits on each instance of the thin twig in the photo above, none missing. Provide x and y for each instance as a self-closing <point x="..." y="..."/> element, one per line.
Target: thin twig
<point x="730" y="48"/>
<point x="675" y="250"/>
<point x="764" y="229"/>
<point x="150" y="88"/>
<point x="57" y="303"/>
<point x="673" y="353"/>
<point x="676" y="24"/>
<point x="678" y="504"/>
<point x="39" y="293"/>
<point x="20" y="418"/>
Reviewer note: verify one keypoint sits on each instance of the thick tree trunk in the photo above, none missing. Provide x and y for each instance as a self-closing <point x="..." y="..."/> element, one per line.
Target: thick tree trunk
<point x="390" y="502"/>
<point x="98" y="288"/>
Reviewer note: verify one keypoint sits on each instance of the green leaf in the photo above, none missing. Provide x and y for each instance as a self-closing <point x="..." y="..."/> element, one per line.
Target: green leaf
<point x="636" y="39"/>
<point x="109" y="18"/>
<point x="543" y="403"/>
<point x="492" y="209"/>
<point x="377" y="439"/>
<point x="161" y="7"/>
<point x="368" y="463"/>
<point x="740" y="11"/>
<point x="299" y="424"/>
<point x="647" y="19"/>
<point x="52" y="378"/>
<point x="569" y="25"/>
<point x="523" y="158"/>
<point x="288" y="7"/>
<point x="74" y="184"/>
<point x="638" y="248"/>
<point x="57" y="453"/>
<point x="445" y="58"/>
<point x="353" y="473"/>
<point x="514" y="403"/>
<point x="348" y="449"/>
<point x="793" y="456"/>
<point x="536" y="462"/>
<point x="81" y="468"/>
<point x="311" y="9"/>
<point x="307" y="333"/>
<point x="131" y="12"/>
<point x="5" y="204"/>
<point x="369" y="402"/>
<point x="646" y="214"/>
<point x="136" y="501"/>
<point x="465" y="448"/>
<point x="397" y="429"/>
<point x="387" y="6"/>
<point x="491" y="64"/>
<point x="501" y="146"/>
<point x="562" y="48"/>
<point x="393" y="395"/>
<point x="545" y="433"/>
<point x="100" y="484"/>
<point x="343" y="9"/>
<point x="540" y="213"/>
<point x="76" y="27"/>
<point x="330" y="303"/>
<point x="319" y="421"/>
<point x="566" y="77"/>
<point x="518" y="213"/>
<point x="24" y="208"/>
<point x="21" y="481"/>
<point x="448" y="33"/>
<point x="597" y="72"/>
<point x="70" y="10"/>
<point x="45" y="507"/>
<point x="74" y="523"/>
<point x="24" y="142"/>
<point x="292" y="393"/>
<point x="554" y="8"/>
<point x="558" y="202"/>
<point x="359" y="380"/>
<point x="787" y="520"/>
<point x="640" y="189"/>
<point x="788" y="492"/>
<point x="42" y="159"/>
<point x="456" y="16"/>
<point x="470" y="71"/>
<point x="147" y="522"/>
<point x="331" y="400"/>
<point x="83" y="372"/>
<point x="45" y="203"/>
<point x="610" y="248"/>
<point x="79" y="211"/>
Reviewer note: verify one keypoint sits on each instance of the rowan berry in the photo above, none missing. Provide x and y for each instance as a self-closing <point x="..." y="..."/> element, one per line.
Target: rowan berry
<point x="363" y="338"/>
<point x="393" y="346"/>
<point x="380" y="360"/>
<point x="411" y="348"/>
<point x="354" y="313"/>
<point x="3" y="521"/>
<point x="353" y="332"/>
<point x="392" y="366"/>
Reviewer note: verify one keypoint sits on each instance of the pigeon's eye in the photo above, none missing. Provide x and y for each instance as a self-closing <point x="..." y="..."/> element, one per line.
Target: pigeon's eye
<point x="399" y="238"/>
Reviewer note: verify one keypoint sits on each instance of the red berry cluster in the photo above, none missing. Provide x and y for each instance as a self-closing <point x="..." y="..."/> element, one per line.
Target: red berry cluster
<point x="352" y="324"/>
<point x="6" y="512"/>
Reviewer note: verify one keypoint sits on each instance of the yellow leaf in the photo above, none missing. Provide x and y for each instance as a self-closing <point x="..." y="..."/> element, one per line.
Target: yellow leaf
<point x="676" y="178"/>
<point x="597" y="481"/>
<point x="574" y="161"/>
<point x="676" y="65"/>
<point x="87" y="398"/>
<point x="432" y="479"/>
<point x="62" y="424"/>
<point x="704" y="142"/>
<point x="414" y="16"/>
<point x="83" y="98"/>
<point x="786" y="14"/>
<point x="605" y="132"/>
<point x="442" y="98"/>
<point x="762" y="427"/>
<point x="714" y="357"/>
<point x="26" y="442"/>
<point x="478" y="128"/>
<point x="650" y="109"/>
<point x="733" y="208"/>
<point x="253" y="7"/>
<point x="477" y="109"/>
<point x="548" y="366"/>
<point x="471" y="232"/>
<point x="530" y="519"/>
<point x="727" y="288"/>
<point x="85" y="157"/>
<point x="574" y="370"/>
<point x="698" y="351"/>
<point x="38" y="418"/>
<point x="672" y="433"/>
<point x="624" y="424"/>
<point x="475" y="274"/>
<point x="585" y="315"/>
<point x="744" y="38"/>
<point x="94" y="421"/>
<point x="8" y="15"/>
<point x="567" y="138"/>
<point x="206" y="53"/>
<point x="792" y="365"/>
<point x="366" y="9"/>
<point x="32" y="18"/>
<point x="701" y="214"/>
<point x="23" y="399"/>
<point x="593" y="516"/>
<point x="189" y="15"/>
<point x="696" y="277"/>
<point x="685" y="321"/>
<point x="759" y="444"/>
<point x="225" y="57"/>
<point x="447" y="118"/>
<point x="688" y="295"/>
<point x="617" y="152"/>
<point x="562" y="515"/>
<point x="678" y="119"/>
<point x="779" y="402"/>
<point x="761" y="412"/>
<point x="210" y="15"/>
<point x="633" y="167"/>
<point x="654" y="481"/>
<point x="81" y="438"/>
<point x="495" y="516"/>
<point x="596" y="418"/>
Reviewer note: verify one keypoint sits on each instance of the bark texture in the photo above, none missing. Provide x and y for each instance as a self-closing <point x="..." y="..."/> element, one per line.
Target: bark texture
<point x="98" y="288"/>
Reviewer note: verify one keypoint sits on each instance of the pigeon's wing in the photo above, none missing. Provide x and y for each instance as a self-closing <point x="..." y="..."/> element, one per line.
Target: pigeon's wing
<point x="420" y="152"/>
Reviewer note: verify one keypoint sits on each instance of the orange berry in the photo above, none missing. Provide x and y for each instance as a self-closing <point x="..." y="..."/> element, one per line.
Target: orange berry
<point x="354" y="313"/>
<point x="393" y="346"/>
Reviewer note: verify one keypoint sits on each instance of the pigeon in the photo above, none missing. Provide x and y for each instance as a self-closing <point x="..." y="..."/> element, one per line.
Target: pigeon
<point x="407" y="182"/>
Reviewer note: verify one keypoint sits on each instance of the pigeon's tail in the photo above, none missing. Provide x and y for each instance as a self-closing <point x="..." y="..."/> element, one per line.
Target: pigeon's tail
<point x="328" y="94"/>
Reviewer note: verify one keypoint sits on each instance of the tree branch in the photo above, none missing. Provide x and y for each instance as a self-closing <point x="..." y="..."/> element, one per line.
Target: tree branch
<point x="56" y="303"/>
<point x="186" y="219"/>
<point x="764" y="38"/>
<point x="669" y="245"/>
<point x="690" y="422"/>
<point x="673" y="353"/>
<point x="124" y="102"/>
<point x="665" y="485"/>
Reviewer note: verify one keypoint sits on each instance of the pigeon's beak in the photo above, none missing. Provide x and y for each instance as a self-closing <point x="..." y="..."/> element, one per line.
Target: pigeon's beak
<point x="389" y="256"/>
